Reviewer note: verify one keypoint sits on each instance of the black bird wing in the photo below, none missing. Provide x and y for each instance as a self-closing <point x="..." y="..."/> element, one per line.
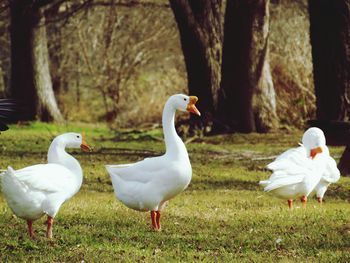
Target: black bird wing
<point x="7" y="112"/>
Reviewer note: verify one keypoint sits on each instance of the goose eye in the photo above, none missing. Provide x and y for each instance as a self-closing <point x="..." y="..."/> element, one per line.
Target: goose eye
<point x="78" y="136"/>
<point x="185" y="99"/>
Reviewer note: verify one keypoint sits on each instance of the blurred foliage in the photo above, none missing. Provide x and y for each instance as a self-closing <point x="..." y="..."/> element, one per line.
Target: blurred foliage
<point x="119" y="64"/>
<point x="117" y="61"/>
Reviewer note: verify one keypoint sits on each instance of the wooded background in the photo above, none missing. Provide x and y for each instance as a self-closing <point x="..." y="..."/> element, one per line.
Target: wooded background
<point x="252" y="63"/>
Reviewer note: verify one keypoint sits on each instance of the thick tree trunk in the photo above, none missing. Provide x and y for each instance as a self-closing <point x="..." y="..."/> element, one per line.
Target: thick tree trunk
<point x="264" y="101"/>
<point x="247" y="99"/>
<point x="47" y="108"/>
<point x="264" y="97"/>
<point x="330" y="40"/>
<point x="200" y="24"/>
<point x="30" y="76"/>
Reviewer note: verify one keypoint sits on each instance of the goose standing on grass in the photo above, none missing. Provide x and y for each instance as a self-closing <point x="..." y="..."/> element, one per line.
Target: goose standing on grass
<point x="41" y="189"/>
<point x="7" y="112"/>
<point x="298" y="171"/>
<point x="148" y="184"/>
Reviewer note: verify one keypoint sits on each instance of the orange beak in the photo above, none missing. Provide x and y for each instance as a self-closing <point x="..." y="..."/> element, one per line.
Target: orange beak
<point x="84" y="146"/>
<point x="315" y="151"/>
<point x="191" y="107"/>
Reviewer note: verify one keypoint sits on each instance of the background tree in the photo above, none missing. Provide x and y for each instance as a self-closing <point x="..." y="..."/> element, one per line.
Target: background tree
<point x="5" y="51"/>
<point x="200" y="23"/>
<point x="247" y="98"/>
<point x="330" y="41"/>
<point x="30" y="77"/>
<point x="227" y="62"/>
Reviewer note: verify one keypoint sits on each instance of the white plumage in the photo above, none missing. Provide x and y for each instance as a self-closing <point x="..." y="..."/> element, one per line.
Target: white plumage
<point x="297" y="172"/>
<point x="294" y="175"/>
<point x="331" y="174"/>
<point x="148" y="184"/>
<point x="41" y="189"/>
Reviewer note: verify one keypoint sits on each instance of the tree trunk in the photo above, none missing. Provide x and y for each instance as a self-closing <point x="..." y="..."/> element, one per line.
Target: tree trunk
<point x="200" y="24"/>
<point x="264" y="101"/>
<point x="330" y="41"/>
<point x="247" y="99"/>
<point x="30" y="76"/>
<point x="2" y="83"/>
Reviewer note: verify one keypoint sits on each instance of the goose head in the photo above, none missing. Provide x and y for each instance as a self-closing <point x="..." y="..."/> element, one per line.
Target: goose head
<point x="314" y="141"/>
<point x="183" y="102"/>
<point x="75" y="140"/>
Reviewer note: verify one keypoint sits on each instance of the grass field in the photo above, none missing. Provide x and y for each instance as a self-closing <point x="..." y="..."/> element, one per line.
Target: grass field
<point x="223" y="215"/>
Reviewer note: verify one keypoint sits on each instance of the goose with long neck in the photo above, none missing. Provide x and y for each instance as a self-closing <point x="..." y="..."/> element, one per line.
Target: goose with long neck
<point x="57" y="154"/>
<point x="41" y="189"/>
<point x="148" y="184"/>
<point x="296" y="172"/>
<point x="173" y="143"/>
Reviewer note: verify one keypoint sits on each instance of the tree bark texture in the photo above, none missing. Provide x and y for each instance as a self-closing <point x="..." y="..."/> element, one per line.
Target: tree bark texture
<point x="30" y="77"/>
<point x="2" y="83"/>
<point x="330" y="41"/>
<point x="247" y="100"/>
<point x="227" y="63"/>
<point x="200" y="23"/>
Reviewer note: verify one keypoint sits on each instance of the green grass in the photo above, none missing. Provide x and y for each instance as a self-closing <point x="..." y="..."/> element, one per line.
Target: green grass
<point x="223" y="215"/>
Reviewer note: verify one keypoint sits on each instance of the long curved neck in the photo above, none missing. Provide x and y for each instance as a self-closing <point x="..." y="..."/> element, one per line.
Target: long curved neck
<point x="58" y="155"/>
<point x="173" y="143"/>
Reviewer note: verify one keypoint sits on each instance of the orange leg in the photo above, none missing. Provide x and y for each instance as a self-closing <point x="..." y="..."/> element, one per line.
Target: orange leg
<point x="319" y="199"/>
<point x="154" y="220"/>
<point x="290" y="203"/>
<point x="303" y="200"/>
<point x="158" y="221"/>
<point x="30" y="228"/>
<point x="49" y="227"/>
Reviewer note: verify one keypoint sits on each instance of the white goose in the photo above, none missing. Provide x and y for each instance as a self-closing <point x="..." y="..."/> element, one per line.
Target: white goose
<point x="41" y="189"/>
<point x="148" y="184"/>
<point x="297" y="171"/>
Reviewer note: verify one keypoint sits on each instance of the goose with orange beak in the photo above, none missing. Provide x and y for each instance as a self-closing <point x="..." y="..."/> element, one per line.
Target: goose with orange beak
<point x="298" y="171"/>
<point x="148" y="184"/>
<point x="41" y="189"/>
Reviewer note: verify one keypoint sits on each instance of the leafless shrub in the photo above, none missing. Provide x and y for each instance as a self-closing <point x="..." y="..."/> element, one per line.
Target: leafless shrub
<point x="124" y="58"/>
